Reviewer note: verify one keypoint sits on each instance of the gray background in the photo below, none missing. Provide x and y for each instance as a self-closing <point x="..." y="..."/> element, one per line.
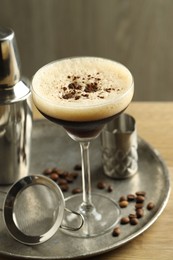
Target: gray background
<point x="137" y="33"/>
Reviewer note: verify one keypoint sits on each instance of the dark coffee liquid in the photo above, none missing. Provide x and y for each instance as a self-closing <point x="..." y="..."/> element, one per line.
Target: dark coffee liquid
<point x="85" y="129"/>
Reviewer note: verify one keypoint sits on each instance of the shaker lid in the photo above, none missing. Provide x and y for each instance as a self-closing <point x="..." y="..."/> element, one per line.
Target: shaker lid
<point x="20" y="91"/>
<point x="12" y="88"/>
<point x="6" y="33"/>
<point x="9" y="59"/>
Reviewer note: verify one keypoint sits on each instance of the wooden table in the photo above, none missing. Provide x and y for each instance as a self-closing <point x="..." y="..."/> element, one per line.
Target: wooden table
<point x="155" y="125"/>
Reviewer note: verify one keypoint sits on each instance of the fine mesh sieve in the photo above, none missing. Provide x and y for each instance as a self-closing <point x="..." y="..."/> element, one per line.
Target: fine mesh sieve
<point x="34" y="208"/>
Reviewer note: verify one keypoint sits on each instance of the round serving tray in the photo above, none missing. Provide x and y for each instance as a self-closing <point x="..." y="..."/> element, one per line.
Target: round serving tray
<point x="51" y="147"/>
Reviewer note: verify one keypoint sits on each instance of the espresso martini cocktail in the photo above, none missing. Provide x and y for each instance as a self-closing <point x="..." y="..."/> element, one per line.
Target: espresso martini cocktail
<point x="82" y="94"/>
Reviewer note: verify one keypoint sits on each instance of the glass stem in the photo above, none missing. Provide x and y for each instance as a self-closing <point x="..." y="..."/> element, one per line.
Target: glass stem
<point x="86" y="177"/>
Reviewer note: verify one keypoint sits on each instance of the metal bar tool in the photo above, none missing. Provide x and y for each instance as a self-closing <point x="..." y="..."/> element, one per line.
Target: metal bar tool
<point x="15" y="112"/>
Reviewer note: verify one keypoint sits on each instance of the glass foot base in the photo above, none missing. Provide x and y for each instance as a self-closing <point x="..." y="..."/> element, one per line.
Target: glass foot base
<point x="97" y="220"/>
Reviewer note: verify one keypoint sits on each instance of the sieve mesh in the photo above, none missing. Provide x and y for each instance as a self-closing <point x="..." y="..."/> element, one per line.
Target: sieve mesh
<point x="35" y="210"/>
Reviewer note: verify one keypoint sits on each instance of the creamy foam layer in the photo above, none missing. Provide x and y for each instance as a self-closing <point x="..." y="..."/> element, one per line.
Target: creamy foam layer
<point x="82" y="89"/>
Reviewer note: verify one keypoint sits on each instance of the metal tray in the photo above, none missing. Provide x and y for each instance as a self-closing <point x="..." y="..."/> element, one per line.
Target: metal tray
<point x="52" y="147"/>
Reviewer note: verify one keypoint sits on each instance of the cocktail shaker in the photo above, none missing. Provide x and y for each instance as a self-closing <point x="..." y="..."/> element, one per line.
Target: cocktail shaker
<point x="15" y="112"/>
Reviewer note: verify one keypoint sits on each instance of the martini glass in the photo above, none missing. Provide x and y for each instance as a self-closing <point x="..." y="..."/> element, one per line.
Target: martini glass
<point x="82" y="94"/>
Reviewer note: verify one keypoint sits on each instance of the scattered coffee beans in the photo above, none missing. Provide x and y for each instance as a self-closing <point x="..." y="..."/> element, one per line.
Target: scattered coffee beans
<point x="65" y="178"/>
<point x="139" y="199"/>
<point x="61" y="177"/>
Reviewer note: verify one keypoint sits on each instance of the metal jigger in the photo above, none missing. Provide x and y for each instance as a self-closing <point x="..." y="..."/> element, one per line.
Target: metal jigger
<point x="15" y="112"/>
<point x="119" y="147"/>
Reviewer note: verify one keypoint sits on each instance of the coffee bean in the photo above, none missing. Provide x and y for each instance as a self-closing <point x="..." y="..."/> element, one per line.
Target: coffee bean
<point x="122" y="198"/>
<point x="64" y="174"/>
<point x="141" y="193"/>
<point x="139" y="205"/>
<point x="54" y="176"/>
<point x="60" y="172"/>
<point x="150" y="205"/>
<point x="139" y="213"/>
<point x="140" y="199"/>
<point x="116" y="232"/>
<point x="132" y="215"/>
<point x="134" y="221"/>
<point x="76" y="190"/>
<point x="124" y="220"/>
<point x="77" y="167"/>
<point x="69" y="178"/>
<point x="109" y="189"/>
<point x="64" y="187"/>
<point x="123" y="203"/>
<point x="101" y="185"/>
<point x="62" y="181"/>
<point x="74" y="174"/>
<point x="55" y="169"/>
<point x="47" y="171"/>
<point x="131" y="197"/>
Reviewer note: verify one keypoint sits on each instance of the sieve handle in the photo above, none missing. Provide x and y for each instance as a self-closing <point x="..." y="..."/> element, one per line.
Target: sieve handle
<point x="73" y="228"/>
